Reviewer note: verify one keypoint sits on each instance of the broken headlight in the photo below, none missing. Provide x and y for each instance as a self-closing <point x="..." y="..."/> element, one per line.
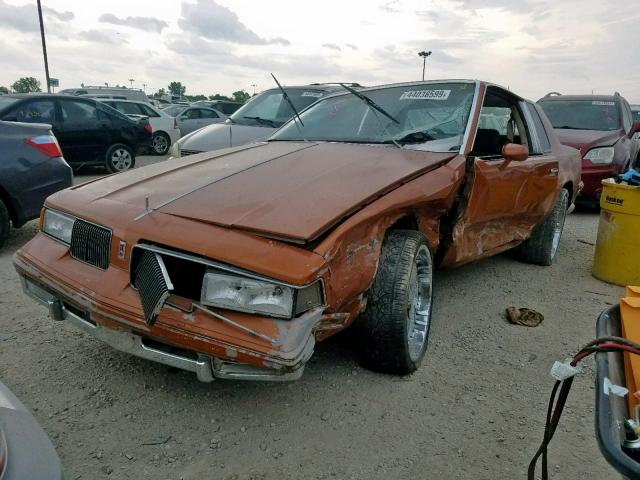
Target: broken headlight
<point x="58" y="225"/>
<point x="261" y="297"/>
<point x="247" y="295"/>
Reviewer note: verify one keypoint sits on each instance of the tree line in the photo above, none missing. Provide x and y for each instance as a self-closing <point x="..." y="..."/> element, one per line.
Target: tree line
<point x="31" y="84"/>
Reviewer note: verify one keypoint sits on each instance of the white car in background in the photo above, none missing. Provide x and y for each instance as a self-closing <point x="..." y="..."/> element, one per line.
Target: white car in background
<point x="192" y="118"/>
<point x="165" y="128"/>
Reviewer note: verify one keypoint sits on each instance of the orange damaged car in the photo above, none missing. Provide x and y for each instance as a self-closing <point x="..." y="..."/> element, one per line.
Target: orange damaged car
<point x="234" y="263"/>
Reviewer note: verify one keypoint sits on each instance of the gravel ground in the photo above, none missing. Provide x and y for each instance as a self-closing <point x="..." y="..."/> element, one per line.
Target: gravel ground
<point x="474" y="410"/>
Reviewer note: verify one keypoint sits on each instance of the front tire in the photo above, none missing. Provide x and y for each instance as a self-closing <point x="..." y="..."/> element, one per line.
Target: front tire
<point x="120" y="158"/>
<point x="542" y="246"/>
<point x="160" y="143"/>
<point x="5" y="223"/>
<point x="393" y="331"/>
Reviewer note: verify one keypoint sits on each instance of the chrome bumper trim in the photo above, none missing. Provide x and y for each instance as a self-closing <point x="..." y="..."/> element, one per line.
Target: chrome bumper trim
<point x="205" y="367"/>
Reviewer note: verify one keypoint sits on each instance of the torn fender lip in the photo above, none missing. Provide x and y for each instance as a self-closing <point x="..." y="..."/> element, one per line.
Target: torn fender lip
<point x="293" y="343"/>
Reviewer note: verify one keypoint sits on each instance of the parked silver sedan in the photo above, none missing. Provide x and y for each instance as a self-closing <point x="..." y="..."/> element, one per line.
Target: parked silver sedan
<point x="190" y="119"/>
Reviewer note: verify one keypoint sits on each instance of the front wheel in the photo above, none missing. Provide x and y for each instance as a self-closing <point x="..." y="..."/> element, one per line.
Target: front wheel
<point x="394" y="329"/>
<point x="119" y="158"/>
<point x="542" y="246"/>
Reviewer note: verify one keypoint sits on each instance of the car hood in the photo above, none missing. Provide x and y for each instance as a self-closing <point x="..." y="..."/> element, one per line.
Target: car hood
<point x="283" y="190"/>
<point x="223" y="135"/>
<point x="585" y="140"/>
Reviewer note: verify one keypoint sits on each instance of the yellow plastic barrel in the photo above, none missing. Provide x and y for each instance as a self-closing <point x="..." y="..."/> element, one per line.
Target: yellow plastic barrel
<point x="617" y="258"/>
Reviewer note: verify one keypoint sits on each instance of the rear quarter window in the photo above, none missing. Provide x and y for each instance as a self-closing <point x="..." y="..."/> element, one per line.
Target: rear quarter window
<point x="538" y="127"/>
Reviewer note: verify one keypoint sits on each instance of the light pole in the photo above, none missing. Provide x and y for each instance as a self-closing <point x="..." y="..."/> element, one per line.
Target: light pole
<point x="144" y="87"/>
<point x="44" y="47"/>
<point x="132" y="80"/>
<point x="254" y="88"/>
<point x="424" y="54"/>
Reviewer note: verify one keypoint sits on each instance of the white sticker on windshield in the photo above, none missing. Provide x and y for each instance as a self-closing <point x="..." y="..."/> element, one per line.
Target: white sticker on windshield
<point x="596" y="102"/>
<point x="425" y="95"/>
<point x="311" y="94"/>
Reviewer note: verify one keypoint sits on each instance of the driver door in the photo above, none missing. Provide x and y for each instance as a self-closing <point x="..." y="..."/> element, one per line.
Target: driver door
<point x="503" y="201"/>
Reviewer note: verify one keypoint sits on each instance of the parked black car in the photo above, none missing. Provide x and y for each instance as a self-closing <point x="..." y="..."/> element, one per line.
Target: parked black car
<point x="89" y="132"/>
<point x="25" y="450"/>
<point x="31" y="168"/>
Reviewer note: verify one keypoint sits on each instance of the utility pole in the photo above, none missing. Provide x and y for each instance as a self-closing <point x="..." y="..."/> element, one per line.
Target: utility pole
<point x="424" y="54"/>
<point x="44" y="47"/>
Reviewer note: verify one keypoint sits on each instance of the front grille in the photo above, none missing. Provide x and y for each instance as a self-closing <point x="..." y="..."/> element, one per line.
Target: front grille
<point x="90" y="244"/>
<point x="186" y="153"/>
<point x="153" y="284"/>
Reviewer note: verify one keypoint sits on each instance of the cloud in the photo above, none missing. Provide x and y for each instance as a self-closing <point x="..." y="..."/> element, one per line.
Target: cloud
<point x="23" y="18"/>
<point x="331" y="46"/>
<point x="390" y="7"/>
<point x="147" y="24"/>
<point x="102" y="36"/>
<point x="215" y="22"/>
<point x="351" y="46"/>
<point x="62" y="16"/>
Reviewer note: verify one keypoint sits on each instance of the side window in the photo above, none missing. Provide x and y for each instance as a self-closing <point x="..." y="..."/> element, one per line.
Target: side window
<point x="501" y="122"/>
<point x="192" y="114"/>
<point x="40" y="111"/>
<point x="541" y="132"/>
<point x="148" y="111"/>
<point x="209" y="114"/>
<point x="78" y="112"/>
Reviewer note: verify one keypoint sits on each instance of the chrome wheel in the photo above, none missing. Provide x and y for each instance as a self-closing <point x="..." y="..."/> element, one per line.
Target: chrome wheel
<point x="420" y="298"/>
<point x="160" y="144"/>
<point x="121" y="160"/>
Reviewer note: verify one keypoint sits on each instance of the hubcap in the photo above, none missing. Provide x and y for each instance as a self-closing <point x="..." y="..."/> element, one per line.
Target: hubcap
<point x="121" y="159"/>
<point x="160" y="144"/>
<point x="420" y="298"/>
<point x="557" y="230"/>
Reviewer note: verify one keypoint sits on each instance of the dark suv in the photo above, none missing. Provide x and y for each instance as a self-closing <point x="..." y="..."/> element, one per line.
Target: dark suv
<point x="89" y="132"/>
<point x="602" y="127"/>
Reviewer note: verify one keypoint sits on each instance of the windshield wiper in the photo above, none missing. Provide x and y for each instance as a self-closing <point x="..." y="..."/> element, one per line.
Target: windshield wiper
<point x="370" y="102"/>
<point x="287" y="99"/>
<point x="415" y="137"/>
<point x="263" y="121"/>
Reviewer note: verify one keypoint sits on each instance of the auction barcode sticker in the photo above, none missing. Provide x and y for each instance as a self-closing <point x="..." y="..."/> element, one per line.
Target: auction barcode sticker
<point x="425" y="95"/>
<point x="597" y="102"/>
<point x="311" y="94"/>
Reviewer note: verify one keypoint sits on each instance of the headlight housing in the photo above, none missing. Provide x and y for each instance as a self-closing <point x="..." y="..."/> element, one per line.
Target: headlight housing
<point x="174" y="151"/>
<point x="261" y="297"/>
<point x="602" y="155"/>
<point x="58" y="225"/>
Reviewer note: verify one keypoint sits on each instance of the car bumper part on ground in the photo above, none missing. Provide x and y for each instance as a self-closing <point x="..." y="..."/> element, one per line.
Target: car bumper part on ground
<point x="64" y="307"/>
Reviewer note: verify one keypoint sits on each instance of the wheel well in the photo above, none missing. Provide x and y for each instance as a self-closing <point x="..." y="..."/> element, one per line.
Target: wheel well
<point x="407" y="222"/>
<point x="6" y="199"/>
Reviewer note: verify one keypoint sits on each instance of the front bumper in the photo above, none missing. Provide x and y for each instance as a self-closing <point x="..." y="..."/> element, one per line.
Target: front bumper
<point x="76" y="310"/>
<point x="592" y="178"/>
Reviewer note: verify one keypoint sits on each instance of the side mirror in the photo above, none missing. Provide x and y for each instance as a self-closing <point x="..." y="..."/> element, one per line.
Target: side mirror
<point x="635" y="128"/>
<point x="513" y="152"/>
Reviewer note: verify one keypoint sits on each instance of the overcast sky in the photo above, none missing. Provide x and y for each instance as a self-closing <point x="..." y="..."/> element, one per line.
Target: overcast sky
<point x="211" y="46"/>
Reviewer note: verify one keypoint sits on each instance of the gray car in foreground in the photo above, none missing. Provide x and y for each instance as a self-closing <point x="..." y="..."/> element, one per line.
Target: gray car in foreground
<point x="31" y="168"/>
<point x="26" y="453"/>
<point x="256" y="120"/>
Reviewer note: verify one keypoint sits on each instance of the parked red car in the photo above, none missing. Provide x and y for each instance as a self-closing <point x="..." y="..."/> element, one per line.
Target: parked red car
<point x="602" y="127"/>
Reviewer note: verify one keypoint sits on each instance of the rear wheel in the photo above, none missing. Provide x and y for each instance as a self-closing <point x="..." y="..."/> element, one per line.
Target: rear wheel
<point x="393" y="331"/>
<point x="160" y="143"/>
<point x="120" y="158"/>
<point x="542" y="247"/>
<point x="5" y="223"/>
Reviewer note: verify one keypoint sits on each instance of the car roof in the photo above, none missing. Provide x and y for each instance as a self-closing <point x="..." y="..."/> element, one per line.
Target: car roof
<point x="603" y="98"/>
<point x="43" y="95"/>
